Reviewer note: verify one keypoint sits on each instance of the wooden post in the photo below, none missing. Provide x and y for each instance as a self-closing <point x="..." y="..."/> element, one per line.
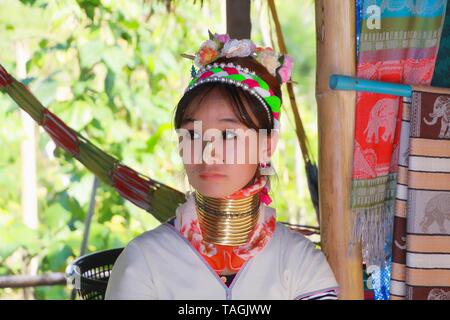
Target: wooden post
<point x="239" y="25"/>
<point x="335" y="32"/>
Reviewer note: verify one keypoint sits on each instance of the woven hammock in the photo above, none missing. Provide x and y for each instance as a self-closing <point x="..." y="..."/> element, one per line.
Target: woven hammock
<point x="157" y="198"/>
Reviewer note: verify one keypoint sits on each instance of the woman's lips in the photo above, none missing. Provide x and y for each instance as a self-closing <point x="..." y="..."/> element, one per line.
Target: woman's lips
<point x="211" y="175"/>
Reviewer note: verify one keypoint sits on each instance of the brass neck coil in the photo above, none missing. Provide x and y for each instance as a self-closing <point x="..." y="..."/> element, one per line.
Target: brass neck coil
<point x="227" y="221"/>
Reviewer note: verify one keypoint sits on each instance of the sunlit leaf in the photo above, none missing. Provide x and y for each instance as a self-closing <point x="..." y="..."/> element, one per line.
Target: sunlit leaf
<point x="91" y="52"/>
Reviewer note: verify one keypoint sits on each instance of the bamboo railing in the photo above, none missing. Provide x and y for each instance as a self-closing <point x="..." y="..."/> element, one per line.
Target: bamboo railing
<point x="342" y="82"/>
<point x="26" y="281"/>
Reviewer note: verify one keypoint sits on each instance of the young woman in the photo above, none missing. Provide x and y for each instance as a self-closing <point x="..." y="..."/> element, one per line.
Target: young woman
<point x="224" y="242"/>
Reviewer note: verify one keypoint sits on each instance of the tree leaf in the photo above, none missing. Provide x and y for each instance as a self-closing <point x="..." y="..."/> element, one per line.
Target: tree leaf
<point x="115" y="58"/>
<point x="91" y="53"/>
<point x="154" y="139"/>
<point x="56" y="216"/>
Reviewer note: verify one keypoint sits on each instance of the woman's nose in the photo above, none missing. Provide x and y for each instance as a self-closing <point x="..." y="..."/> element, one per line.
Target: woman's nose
<point x="212" y="153"/>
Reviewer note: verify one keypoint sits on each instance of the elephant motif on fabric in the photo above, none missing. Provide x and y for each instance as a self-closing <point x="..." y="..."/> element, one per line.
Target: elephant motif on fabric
<point x="437" y="210"/>
<point x="401" y="246"/>
<point x="438" y="294"/>
<point x="382" y="116"/>
<point x="441" y="109"/>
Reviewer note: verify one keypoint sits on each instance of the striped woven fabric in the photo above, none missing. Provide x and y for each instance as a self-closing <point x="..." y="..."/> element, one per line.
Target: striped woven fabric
<point x="397" y="287"/>
<point x="421" y="250"/>
<point x="330" y="294"/>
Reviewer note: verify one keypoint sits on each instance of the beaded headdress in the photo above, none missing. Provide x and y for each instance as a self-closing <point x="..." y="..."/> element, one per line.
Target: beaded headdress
<point x="221" y="45"/>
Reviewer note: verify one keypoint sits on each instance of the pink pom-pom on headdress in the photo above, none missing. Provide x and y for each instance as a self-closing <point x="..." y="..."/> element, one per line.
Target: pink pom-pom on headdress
<point x="223" y="38"/>
<point x="285" y="70"/>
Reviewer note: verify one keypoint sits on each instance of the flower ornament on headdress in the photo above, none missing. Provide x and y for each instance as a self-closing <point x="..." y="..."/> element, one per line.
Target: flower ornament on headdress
<point x="208" y="52"/>
<point x="268" y="58"/>
<point x="238" y="48"/>
<point x="221" y="45"/>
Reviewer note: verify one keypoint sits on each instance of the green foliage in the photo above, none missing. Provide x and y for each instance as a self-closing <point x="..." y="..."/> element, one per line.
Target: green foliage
<point x="112" y="71"/>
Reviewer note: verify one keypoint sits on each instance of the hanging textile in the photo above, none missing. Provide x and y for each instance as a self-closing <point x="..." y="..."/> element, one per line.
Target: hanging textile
<point x="158" y="199"/>
<point x="358" y="19"/>
<point x="382" y="286"/>
<point x="397" y="284"/>
<point x="421" y="251"/>
<point x="380" y="282"/>
<point x="402" y="48"/>
<point x="440" y="76"/>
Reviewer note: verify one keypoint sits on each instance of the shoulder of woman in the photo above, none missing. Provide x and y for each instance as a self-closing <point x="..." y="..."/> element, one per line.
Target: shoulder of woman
<point x="159" y="236"/>
<point x="288" y="234"/>
<point x="294" y="246"/>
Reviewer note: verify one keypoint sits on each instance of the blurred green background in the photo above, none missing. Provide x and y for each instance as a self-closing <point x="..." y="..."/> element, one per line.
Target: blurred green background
<point x="112" y="71"/>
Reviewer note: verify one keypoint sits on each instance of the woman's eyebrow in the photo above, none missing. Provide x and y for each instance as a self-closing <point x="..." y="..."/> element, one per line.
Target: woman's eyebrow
<point x="232" y="120"/>
<point x="228" y="120"/>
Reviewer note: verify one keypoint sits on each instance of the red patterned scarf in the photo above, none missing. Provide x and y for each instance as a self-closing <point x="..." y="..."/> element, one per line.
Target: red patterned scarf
<point x="220" y="257"/>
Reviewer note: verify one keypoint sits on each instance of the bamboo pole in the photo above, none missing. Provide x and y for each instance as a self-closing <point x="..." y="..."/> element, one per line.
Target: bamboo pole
<point x="342" y="82"/>
<point x="335" y="32"/>
<point x="310" y="165"/>
<point x="301" y="135"/>
<point x="438" y="90"/>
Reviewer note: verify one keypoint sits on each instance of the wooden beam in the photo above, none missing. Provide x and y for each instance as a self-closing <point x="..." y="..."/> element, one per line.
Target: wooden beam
<point x="25" y="281"/>
<point x="239" y="25"/>
<point x="335" y="32"/>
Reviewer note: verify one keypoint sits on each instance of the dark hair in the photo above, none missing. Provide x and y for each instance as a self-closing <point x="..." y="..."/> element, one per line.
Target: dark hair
<point x="236" y="95"/>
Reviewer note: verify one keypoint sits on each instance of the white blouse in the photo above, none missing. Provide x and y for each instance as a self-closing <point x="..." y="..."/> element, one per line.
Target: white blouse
<point x="162" y="264"/>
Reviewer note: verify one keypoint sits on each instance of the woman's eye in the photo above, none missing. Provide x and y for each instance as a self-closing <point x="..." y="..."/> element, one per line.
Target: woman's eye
<point x="229" y="134"/>
<point x="193" y="135"/>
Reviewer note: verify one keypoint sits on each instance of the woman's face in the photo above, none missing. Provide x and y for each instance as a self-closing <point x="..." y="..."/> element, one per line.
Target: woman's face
<point x="224" y="153"/>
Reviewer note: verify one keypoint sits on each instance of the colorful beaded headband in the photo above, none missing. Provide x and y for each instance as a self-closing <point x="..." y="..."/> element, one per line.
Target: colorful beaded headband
<point x="243" y="78"/>
<point x="221" y="45"/>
